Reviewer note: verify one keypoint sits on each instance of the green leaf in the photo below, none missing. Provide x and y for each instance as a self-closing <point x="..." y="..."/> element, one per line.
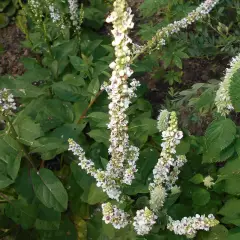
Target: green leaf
<point x="4" y="20"/>
<point x="66" y="231"/>
<point x="4" y="181"/>
<point x="220" y="134"/>
<point x="21" y="213"/>
<point x="94" y="86"/>
<point x="23" y="185"/>
<point x="140" y="128"/>
<point x="231" y="212"/>
<point x="234" y="234"/>
<point x="94" y="195"/>
<point x="197" y="179"/>
<point x="218" y="232"/>
<point x="73" y="79"/>
<point x="49" y="190"/>
<point x="10" y="157"/>
<point x="99" y="116"/>
<point x="230" y="174"/>
<point x="77" y="63"/>
<point x="100" y="135"/>
<point x="28" y="130"/>
<point x="54" y="113"/>
<point x="200" y="197"/>
<point x="67" y="92"/>
<point x="47" y="219"/>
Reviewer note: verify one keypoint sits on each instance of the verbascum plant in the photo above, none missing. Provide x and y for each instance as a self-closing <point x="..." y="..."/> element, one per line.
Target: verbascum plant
<point x="223" y="100"/>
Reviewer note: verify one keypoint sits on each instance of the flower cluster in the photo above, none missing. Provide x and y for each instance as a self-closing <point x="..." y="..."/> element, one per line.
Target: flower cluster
<point x="159" y="39"/>
<point x="106" y="182"/>
<point x="143" y="221"/>
<point x="222" y="100"/>
<point x="54" y="13"/>
<point x="189" y="226"/>
<point x="75" y="17"/>
<point x="36" y="11"/>
<point x="162" y="123"/>
<point x="208" y="182"/>
<point x="166" y="171"/>
<point x="157" y="198"/>
<point x="120" y="94"/>
<point x="7" y="103"/>
<point x="117" y="217"/>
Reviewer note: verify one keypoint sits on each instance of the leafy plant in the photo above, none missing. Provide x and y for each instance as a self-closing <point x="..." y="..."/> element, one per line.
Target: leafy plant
<point x="46" y="192"/>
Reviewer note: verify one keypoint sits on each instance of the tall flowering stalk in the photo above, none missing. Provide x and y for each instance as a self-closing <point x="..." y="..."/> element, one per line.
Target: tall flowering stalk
<point x="165" y="173"/>
<point x="222" y="100"/>
<point x="120" y="94"/>
<point x="160" y="38"/>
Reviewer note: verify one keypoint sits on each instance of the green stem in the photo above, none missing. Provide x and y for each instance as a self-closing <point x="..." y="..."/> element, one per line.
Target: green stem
<point x="23" y="148"/>
<point x="46" y="38"/>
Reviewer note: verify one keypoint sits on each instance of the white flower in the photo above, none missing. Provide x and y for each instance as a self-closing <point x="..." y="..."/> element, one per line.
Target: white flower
<point x="144" y="221"/>
<point x="189" y="226"/>
<point x="222" y="100"/>
<point x="208" y="182"/>
<point x="75" y="17"/>
<point x="115" y="216"/>
<point x="7" y="103"/>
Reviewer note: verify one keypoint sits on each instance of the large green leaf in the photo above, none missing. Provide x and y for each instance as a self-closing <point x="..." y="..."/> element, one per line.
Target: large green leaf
<point x="10" y="157"/>
<point x="47" y="219"/>
<point x="49" y="190"/>
<point x="28" y="130"/>
<point x="220" y="134"/>
<point x="200" y="196"/>
<point x="21" y="213"/>
<point x="100" y="135"/>
<point x="218" y="232"/>
<point x="54" y="113"/>
<point x="230" y="174"/>
<point x="231" y="212"/>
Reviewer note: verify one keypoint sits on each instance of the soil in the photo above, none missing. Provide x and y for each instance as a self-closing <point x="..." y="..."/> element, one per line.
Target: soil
<point x="10" y="38"/>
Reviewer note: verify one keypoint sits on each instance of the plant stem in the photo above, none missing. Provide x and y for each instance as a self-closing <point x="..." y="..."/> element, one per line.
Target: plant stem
<point x="23" y="148"/>
<point x="90" y="104"/>
<point x="46" y="38"/>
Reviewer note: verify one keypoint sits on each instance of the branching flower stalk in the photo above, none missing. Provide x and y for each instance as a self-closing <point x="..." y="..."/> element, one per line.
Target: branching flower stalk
<point x="160" y="38"/>
<point x="189" y="226"/>
<point x="223" y="100"/>
<point x="122" y="165"/>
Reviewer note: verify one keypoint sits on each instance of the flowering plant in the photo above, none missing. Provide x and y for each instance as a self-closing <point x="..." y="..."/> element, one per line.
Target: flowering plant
<point x="82" y="155"/>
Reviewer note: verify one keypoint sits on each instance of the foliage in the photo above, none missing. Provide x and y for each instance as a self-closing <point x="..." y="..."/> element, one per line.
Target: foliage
<point x="44" y="194"/>
<point x="8" y="8"/>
